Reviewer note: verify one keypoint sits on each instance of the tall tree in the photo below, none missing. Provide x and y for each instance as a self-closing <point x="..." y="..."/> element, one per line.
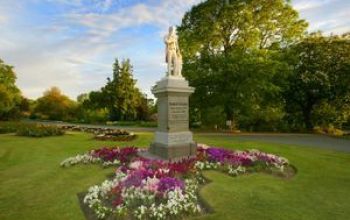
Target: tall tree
<point x="10" y="95"/>
<point x="231" y="54"/>
<point x="319" y="76"/>
<point x="122" y="97"/>
<point x="54" y="105"/>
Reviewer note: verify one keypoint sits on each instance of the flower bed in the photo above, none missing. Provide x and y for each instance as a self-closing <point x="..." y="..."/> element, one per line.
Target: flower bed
<point x="104" y="134"/>
<point x="118" y="135"/>
<point x="30" y="129"/>
<point x="154" y="189"/>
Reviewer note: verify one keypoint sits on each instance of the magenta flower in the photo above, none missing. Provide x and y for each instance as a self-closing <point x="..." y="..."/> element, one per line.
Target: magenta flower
<point x="134" y="179"/>
<point x="124" y="155"/>
<point x="168" y="183"/>
<point x="218" y="154"/>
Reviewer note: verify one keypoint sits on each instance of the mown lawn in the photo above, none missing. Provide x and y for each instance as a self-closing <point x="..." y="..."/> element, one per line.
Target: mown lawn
<point x="33" y="186"/>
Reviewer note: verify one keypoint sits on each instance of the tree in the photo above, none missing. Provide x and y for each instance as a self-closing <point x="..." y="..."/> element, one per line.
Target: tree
<point x="120" y="98"/>
<point x="223" y="25"/>
<point x="231" y="51"/>
<point x="319" y="80"/>
<point x="54" y="105"/>
<point x="10" y="95"/>
<point x="123" y="99"/>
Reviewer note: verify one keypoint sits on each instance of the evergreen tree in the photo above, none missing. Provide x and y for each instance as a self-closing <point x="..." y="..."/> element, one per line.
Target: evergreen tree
<point x="121" y="96"/>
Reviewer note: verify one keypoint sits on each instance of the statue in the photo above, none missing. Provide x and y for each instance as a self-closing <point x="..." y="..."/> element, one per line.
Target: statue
<point x="172" y="54"/>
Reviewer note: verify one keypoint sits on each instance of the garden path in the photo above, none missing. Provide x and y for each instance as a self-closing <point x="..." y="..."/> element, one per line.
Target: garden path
<point x="302" y="140"/>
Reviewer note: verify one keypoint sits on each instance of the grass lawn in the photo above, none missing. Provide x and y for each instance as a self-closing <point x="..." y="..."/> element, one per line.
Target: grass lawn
<point x="34" y="186"/>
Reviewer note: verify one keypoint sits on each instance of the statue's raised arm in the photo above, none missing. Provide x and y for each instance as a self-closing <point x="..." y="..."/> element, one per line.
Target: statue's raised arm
<point x="172" y="53"/>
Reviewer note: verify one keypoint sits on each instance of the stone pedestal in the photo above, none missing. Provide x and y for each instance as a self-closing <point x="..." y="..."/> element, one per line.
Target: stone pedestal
<point x="173" y="140"/>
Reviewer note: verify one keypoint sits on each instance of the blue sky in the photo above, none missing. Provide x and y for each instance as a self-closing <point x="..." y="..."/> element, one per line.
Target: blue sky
<point x="72" y="43"/>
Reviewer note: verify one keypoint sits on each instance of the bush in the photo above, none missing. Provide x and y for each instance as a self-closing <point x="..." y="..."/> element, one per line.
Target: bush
<point x="9" y="127"/>
<point x="35" y="130"/>
<point x="330" y="130"/>
<point x="93" y="116"/>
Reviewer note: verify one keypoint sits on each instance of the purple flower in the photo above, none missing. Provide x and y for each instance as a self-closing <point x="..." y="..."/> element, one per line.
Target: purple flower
<point x="134" y="179"/>
<point x="169" y="183"/>
<point x="217" y="154"/>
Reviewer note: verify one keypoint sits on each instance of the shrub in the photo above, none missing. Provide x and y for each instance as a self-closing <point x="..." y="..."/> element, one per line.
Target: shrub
<point x="35" y="130"/>
<point x="8" y="127"/>
<point x="329" y="130"/>
<point x="318" y="130"/>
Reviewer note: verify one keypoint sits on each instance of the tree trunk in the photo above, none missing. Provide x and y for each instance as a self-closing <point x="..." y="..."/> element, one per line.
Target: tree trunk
<point x="307" y="118"/>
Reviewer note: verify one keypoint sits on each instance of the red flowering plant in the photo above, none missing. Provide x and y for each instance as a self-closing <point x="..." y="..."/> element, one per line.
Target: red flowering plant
<point x="108" y="156"/>
<point x="124" y="155"/>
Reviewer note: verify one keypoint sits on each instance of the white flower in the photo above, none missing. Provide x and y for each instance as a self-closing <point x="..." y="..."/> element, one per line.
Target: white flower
<point x="204" y="146"/>
<point x="110" y="163"/>
<point x="80" y="158"/>
<point x="136" y="165"/>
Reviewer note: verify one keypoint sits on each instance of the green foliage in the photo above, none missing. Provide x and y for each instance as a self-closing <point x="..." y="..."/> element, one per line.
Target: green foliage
<point x="224" y="25"/>
<point x="10" y="96"/>
<point x="329" y="130"/>
<point x="9" y="126"/>
<point x="36" y="130"/>
<point x="214" y="116"/>
<point x="100" y="115"/>
<point x="232" y="55"/>
<point x="29" y="129"/>
<point x="120" y="96"/>
<point x="331" y="112"/>
<point x="53" y="105"/>
<point x="318" y="85"/>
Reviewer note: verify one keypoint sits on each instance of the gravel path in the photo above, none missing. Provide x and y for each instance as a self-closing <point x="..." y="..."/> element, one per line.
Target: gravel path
<point x="302" y="140"/>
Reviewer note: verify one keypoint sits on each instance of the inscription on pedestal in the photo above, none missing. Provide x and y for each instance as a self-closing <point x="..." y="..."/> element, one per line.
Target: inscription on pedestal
<point x="180" y="139"/>
<point x="177" y="114"/>
<point x="176" y="138"/>
<point x="178" y="111"/>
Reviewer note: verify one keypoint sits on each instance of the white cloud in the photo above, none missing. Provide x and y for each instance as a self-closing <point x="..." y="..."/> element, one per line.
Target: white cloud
<point x="329" y="16"/>
<point x="105" y="5"/>
<point x="3" y="19"/>
<point x="163" y="15"/>
<point x="303" y="5"/>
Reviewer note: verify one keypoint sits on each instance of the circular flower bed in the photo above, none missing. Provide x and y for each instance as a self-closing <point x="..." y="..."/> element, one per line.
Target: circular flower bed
<point x="117" y="135"/>
<point x="104" y="134"/>
<point x="154" y="189"/>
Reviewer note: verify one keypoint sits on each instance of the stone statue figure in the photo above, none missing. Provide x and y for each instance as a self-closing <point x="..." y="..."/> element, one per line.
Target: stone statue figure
<point x="172" y="54"/>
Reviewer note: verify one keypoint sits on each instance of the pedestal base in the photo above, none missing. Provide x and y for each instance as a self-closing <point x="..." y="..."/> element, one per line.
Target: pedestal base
<point x="173" y="140"/>
<point x="174" y="152"/>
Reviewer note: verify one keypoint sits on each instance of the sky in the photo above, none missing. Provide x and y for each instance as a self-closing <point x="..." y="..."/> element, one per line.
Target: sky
<point x="72" y="44"/>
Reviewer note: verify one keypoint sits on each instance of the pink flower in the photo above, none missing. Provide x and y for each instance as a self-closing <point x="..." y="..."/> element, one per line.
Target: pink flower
<point x="151" y="184"/>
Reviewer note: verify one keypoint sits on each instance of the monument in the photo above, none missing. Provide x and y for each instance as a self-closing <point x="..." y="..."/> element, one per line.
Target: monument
<point x="173" y="140"/>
